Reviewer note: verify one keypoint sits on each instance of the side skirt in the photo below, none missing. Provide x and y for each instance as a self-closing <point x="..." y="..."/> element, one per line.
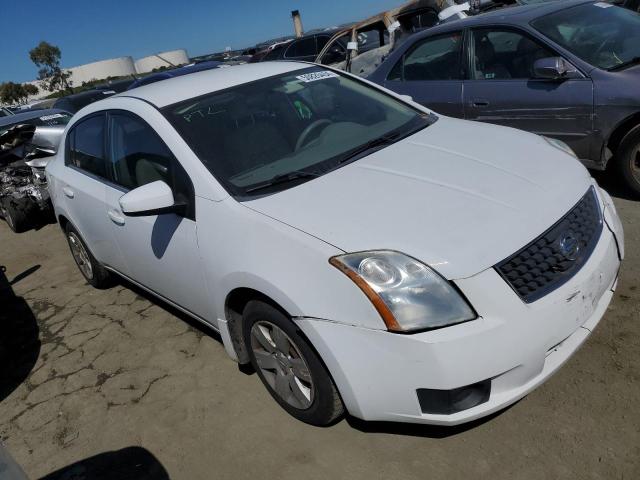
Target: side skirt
<point x="164" y="299"/>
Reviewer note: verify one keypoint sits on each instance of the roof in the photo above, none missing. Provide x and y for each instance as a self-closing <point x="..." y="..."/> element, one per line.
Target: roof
<point x="512" y="15"/>
<point x="177" y="89"/>
<point x="26" y="116"/>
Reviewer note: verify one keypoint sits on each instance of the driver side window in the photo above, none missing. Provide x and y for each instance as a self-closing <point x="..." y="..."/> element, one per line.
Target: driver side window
<point x="137" y="156"/>
<point x="337" y="52"/>
<point x="505" y="54"/>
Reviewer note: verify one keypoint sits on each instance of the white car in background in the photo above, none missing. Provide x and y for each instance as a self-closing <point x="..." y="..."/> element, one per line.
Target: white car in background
<point x="363" y="253"/>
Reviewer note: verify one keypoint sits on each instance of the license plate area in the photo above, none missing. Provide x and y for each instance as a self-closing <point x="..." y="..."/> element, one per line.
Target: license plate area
<point x="593" y="288"/>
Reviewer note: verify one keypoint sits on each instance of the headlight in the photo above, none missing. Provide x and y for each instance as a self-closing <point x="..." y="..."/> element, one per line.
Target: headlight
<point x="408" y="294"/>
<point x="560" y="145"/>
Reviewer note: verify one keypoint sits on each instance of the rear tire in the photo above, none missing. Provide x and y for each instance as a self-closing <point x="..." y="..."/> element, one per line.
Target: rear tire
<point x="92" y="270"/>
<point x="289" y="367"/>
<point x="627" y="160"/>
<point x="16" y="212"/>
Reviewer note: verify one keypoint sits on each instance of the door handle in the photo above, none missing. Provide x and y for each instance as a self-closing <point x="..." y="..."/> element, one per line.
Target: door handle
<point x="480" y="102"/>
<point x="68" y="192"/>
<point x="116" y="217"/>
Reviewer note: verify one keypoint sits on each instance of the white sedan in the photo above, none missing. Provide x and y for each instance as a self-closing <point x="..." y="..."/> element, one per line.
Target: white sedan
<point x="363" y="253"/>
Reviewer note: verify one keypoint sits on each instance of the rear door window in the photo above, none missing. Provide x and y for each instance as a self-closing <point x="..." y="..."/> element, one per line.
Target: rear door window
<point x="86" y="146"/>
<point x="374" y="37"/>
<point x="304" y="47"/>
<point x="436" y="58"/>
<point x="274" y="54"/>
<point x="337" y="51"/>
<point x="321" y="41"/>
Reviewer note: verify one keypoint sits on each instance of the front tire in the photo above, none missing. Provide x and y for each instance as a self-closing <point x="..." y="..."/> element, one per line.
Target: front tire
<point x="628" y="160"/>
<point x="92" y="270"/>
<point x="288" y="366"/>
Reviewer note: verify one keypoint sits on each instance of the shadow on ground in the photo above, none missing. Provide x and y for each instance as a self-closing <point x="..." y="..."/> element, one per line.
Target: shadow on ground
<point x="131" y="463"/>
<point x="420" y="430"/>
<point x="613" y="185"/>
<point x="19" y="335"/>
<point x="193" y="323"/>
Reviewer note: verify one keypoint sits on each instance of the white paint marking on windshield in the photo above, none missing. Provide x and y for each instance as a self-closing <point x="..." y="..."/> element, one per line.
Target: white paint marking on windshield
<point x="51" y="117"/>
<point x="314" y="76"/>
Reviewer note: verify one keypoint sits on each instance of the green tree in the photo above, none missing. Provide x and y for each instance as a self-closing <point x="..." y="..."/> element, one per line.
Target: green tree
<point x="12" y="93"/>
<point x="30" y="89"/>
<point x="47" y="58"/>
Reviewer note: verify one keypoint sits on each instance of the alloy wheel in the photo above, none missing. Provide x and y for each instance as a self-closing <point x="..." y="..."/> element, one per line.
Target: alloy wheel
<point x="282" y="365"/>
<point x="635" y="163"/>
<point x="80" y="255"/>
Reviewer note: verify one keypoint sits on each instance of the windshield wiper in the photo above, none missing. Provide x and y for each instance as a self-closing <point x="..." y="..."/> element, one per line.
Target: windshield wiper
<point x="387" y="139"/>
<point x="282" y="178"/>
<point x="374" y="144"/>
<point x="628" y="63"/>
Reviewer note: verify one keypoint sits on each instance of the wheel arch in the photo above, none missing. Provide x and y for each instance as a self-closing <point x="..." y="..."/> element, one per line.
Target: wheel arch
<point x="63" y="222"/>
<point x="235" y="302"/>
<point x="621" y="130"/>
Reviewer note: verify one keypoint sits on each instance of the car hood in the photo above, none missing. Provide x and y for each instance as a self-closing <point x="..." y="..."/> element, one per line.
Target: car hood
<point x="460" y="196"/>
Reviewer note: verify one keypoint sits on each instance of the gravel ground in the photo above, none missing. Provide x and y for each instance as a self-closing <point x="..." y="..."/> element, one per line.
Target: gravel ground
<point x="113" y="384"/>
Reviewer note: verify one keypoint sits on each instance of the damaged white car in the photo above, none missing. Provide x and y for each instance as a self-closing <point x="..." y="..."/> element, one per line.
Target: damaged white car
<point x="364" y="254"/>
<point x="27" y="141"/>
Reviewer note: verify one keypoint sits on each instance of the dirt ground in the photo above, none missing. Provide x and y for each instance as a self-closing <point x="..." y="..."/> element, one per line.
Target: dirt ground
<point x="112" y="384"/>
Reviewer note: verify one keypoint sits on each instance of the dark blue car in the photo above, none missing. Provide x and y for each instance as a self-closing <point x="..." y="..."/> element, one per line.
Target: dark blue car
<point x="176" y="72"/>
<point x="568" y="70"/>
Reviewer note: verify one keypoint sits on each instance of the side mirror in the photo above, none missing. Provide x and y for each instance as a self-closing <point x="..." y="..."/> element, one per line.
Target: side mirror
<point x="153" y="198"/>
<point x="554" y="68"/>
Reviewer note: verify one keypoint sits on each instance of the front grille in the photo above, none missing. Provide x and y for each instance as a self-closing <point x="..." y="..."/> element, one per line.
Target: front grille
<point x="556" y="255"/>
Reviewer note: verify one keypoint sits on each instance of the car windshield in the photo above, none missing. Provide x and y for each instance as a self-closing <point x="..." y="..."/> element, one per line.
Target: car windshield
<point x="602" y="34"/>
<point x="51" y="119"/>
<point x="289" y="127"/>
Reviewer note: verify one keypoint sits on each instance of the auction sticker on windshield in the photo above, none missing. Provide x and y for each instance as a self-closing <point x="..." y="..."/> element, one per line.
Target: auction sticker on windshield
<point x="44" y="118"/>
<point x="314" y="76"/>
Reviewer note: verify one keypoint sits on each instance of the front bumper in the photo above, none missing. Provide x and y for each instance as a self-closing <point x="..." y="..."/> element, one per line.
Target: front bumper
<point x="516" y="345"/>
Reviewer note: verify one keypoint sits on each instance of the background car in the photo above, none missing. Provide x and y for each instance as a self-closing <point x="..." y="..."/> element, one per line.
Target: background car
<point x="176" y="72"/>
<point x="5" y="112"/>
<point x="376" y="36"/>
<point x="118" y="86"/>
<point x="27" y="142"/>
<point x="73" y="103"/>
<point x="305" y="48"/>
<point x="630" y="4"/>
<point x="568" y="70"/>
<point x="38" y="118"/>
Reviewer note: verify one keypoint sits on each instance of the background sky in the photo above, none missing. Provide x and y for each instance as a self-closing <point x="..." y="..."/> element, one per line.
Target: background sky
<point x="87" y="30"/>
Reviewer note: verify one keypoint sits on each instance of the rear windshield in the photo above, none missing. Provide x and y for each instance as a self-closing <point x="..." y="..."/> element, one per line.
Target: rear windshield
<point x="46" y="119"/>
<point x="602" y="34"/>
<point x="51" y="119"/>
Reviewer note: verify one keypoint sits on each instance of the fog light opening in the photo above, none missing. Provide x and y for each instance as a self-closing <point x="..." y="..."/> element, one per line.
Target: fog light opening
<point x="446" y="402"/>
